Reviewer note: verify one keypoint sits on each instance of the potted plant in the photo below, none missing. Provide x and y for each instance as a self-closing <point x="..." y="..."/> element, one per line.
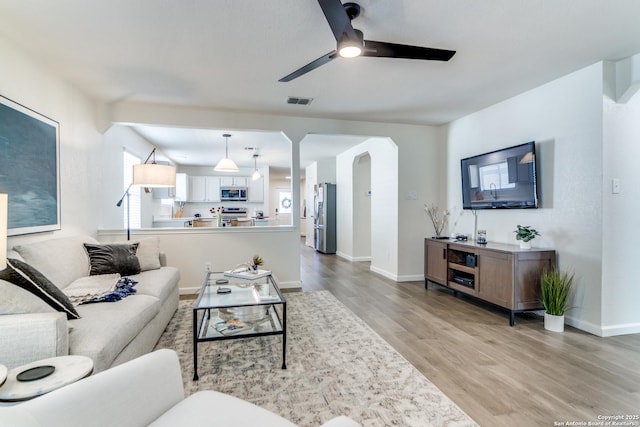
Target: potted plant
<point x="256" y="261"/>
<point x="555" y="286"/>
<point x="525" y="234"/>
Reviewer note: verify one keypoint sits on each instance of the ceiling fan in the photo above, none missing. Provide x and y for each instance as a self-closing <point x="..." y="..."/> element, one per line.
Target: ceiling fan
<point x="351" y="42"/>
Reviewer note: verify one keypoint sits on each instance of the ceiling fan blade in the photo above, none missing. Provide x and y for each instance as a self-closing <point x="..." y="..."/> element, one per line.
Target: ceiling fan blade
<point x="393" y="50"/>
<point x="338" y="19"/>
<point x="310" y="66"/>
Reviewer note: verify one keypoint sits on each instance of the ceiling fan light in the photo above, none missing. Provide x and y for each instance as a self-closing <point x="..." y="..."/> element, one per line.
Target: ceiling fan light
<point x="350" y="51"/>
<point x="226" y="165"/>
<point x="350" y="48"/>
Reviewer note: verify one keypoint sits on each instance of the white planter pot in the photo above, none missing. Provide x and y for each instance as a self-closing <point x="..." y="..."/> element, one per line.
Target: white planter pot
<point x="553" y="323"/>
<point x="525" y="245"/>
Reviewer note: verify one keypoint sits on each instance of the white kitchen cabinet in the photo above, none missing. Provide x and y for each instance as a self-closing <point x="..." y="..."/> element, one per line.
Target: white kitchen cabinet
<point x="256" y="190"/>
<point x="212" y="188"/>
<point x="182" y="187"/>
<point x="204" y="189"/>
<point x="233" y="181"/>
<point x="163" y="193"/>
<point x="197" y="189"/>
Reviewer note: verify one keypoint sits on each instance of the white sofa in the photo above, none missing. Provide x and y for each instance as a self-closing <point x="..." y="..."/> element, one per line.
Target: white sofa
<point x="108" y="332"/>
<point x="147" y="391"/>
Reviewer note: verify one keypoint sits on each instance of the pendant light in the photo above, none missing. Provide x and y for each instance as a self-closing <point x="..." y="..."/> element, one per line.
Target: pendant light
<point x="226" y="164"/>
<point x="256" y="172"/>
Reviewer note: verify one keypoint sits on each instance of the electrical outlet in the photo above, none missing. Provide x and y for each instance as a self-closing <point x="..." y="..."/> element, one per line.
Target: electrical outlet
<point x="207" y="266"/>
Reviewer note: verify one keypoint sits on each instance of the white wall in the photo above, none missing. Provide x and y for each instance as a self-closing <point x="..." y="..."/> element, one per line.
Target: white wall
<point x="565" y="118"/>
<point x="421" y="180"/>
<point x="311" y="179"/>
<point x="24" y="81"/>
<point x="326" y="170"/>
<point x="384" y="204"/>
<point x="362" y="208"/>
<point x="620" y="291"/>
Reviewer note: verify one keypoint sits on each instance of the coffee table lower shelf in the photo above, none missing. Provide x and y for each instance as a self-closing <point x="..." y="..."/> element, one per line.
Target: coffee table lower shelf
<point x="274" y="323"/>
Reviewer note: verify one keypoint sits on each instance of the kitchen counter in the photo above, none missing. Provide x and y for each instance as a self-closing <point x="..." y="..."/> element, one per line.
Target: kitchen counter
<point x="207" y="222"/>
<point x="171" y="222"/>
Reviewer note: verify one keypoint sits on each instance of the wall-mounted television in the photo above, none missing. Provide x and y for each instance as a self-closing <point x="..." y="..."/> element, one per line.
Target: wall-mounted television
<point x="501" y="179"/>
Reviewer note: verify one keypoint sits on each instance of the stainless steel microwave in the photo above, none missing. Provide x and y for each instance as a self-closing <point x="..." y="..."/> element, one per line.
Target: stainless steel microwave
<point x="233" y="194"/>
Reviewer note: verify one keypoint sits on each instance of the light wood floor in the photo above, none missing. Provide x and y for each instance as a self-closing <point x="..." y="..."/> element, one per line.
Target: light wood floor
<point x="499" y="375"/>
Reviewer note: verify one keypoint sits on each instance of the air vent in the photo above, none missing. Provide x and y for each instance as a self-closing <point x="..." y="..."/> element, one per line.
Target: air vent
<point x="299" y="101"/>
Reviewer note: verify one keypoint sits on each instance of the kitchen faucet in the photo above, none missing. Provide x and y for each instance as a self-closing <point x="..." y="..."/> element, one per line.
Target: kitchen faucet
<point x="493" y="191"/>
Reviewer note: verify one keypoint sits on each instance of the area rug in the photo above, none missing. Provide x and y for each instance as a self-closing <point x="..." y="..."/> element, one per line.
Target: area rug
<point x="336" y="365"/>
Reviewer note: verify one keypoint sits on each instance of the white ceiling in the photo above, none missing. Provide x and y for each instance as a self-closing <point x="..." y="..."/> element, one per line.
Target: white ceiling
<point x="229" y="54"/>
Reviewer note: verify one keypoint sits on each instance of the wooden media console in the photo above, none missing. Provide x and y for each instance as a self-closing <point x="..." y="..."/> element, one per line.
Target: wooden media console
<point x="501" y="274"/>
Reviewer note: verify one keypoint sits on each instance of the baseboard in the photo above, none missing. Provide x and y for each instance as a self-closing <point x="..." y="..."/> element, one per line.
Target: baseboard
<point x="411" y="278"/>
<point x="384" y="273"/>
<point x="189" y="291"/>
<point x="352" y="258"/>
<point x="603" y="331"/>
<point x="290" y="285"/>
<point x="627" y="329"/>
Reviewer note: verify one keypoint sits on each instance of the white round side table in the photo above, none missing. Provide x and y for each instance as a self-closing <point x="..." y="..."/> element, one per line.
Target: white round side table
<point x="68" y="369"/>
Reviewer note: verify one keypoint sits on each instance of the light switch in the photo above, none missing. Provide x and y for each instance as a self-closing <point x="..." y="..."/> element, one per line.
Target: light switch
<point x="615" y="186"/>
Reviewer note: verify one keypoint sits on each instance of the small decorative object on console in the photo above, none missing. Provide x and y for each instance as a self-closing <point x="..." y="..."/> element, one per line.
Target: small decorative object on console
<point x="439" y="220"/>
<point x="525" y="233"/>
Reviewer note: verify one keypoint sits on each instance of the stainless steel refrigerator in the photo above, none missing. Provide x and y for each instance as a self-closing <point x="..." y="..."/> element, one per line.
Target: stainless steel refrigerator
<point x="324" y="218"/>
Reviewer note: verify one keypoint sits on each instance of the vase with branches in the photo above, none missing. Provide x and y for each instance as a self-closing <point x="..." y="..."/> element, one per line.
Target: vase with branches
<point x="438" y="219"/>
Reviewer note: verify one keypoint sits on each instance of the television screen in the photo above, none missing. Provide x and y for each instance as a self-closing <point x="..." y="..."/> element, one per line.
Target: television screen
<point x="501" y="179"/>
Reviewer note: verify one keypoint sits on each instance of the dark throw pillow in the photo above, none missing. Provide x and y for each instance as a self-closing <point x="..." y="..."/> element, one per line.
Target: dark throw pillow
<point x="116" y="258"/>
<point x="28" y="278"/>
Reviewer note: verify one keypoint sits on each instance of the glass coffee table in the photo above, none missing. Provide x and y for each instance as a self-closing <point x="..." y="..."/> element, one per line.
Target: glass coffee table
<point x="238" y="308"/>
